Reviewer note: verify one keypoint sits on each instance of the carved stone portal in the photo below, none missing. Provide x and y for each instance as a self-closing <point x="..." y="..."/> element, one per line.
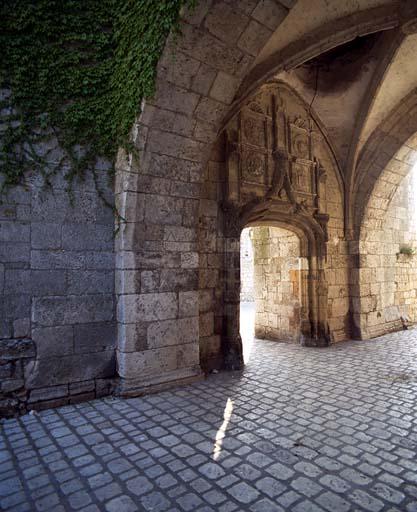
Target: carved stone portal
<point x="274" y="177"/>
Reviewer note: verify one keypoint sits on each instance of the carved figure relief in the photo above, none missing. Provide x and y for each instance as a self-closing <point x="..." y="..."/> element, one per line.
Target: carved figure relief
<point x="273" y="155"/>
<point x="301" y="177"/>
<point x="253" y="132"/>
<point x="253" y="166"/>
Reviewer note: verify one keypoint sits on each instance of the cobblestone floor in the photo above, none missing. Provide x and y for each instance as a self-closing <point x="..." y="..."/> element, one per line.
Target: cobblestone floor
<point x="300" y="429"/>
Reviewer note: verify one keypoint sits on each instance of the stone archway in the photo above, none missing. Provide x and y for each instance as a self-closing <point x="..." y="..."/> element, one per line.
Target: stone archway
<point x="385" y="286"/>
<point x="384" y="163"/>
<point x="157" y="283"/>
<point x="314" y="329"/>
<point x="271" y="166"/>
<point x="385" y="157"/>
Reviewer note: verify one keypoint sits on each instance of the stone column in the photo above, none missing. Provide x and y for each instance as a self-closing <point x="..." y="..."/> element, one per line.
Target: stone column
<point x="317" y="305"/>
<point x="157" y="276"/>
<point x="231" y="340"/>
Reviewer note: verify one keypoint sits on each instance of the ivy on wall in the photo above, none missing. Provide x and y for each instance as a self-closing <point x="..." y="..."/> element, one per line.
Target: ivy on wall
<point x="72" y="75"/>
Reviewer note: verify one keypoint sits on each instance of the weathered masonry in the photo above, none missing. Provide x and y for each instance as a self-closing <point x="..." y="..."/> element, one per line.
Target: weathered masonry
<point x="301" y="127"/>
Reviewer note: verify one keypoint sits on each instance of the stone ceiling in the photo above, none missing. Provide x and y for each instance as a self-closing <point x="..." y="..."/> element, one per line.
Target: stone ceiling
<point x="357" y="77"/>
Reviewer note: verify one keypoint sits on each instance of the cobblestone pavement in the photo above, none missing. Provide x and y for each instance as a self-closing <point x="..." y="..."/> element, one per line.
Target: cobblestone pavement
<point x="300" y="429"/>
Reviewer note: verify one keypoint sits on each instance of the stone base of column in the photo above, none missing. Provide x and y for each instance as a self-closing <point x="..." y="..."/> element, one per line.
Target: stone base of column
<point x="142" y="386"/>
<point x="320" y="341"/>
<point x="233" y="353"/>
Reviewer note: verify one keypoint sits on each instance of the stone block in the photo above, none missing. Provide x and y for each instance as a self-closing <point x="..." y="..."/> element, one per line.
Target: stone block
<point x="196" y="13"/>
<point x="99" y="260"/>
<point x="82" y="397"/>
<point x="155" y="362"/>
<point x="163" y="210"/>
<point x="45" y="235"/>
<point x="210" y="347"/>
<point x="206" y="300"/>
<point x="14" y="252"/>
<point x="14" y="306"/>
<point x="254" y="38"/>
<point x="224" y="87"/>
<point x="171" y="97"/>
<point x="80" y="237"/>
<point x="17" y="281"/>
<point x="11" y="349"/>
<point x="175" y="122"/>
<point x="21" y="328"/>
<point x="172" y="332"/>
<point x="55" y="371"/>
<point x="206" y="323"/>
<point x="211" y="111"/>
<point x="90" y="281"/>
<point x="209" y="208"/>
<point x="203" y="80"/>
<point x="178" y="68"/>
<point x="288" y="3"/>
<point x="204" y="132"/>
<point x="76" y="388"/>
<point x="87" y="207"/>
<point x="8" y="212"/>
<point x="103" y="387"/>
<point x="176" y="168"/>
<point x="226" y="23"/>
<point x="206" y="48"/>
<point x="72" y="309"/>
<point x="57" y="259"/>
<point x="146" y="260"/>
<point x="149" y="281"/>
<point x="270" y="13"/>
<point x="188" y="303"/>
<point x="6" y="370"/>
<point x="148" y="307"/>
<point x="190" y="212"/>
<point x="49" y="404"/>
<point x="176" y="145"/>
<point x="17" y="195"/>
<point x="179" y="280"/>
<point x="5" y="329"/>
<point x="132" y="337"/>
<point x="94" y="337"/>
<point x="48" y="393"/>
<point x="53" y="341"/>
<point x="188" y="190"/>
<point x="12" y="231"/>
<point x="36" y="282"/>
<point x="2" y="278"/>
<point x="179" y="234"/>
<point x="128" y="281"/>
<point x="131" y="204"/>
<point x="208" y="278"/>
<point x="11" y="385"/>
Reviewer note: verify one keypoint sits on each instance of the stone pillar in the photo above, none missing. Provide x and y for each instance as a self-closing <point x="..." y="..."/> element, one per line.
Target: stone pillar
<point x="319" y="336"/>
<point x="157" y="277"/>
<point x="231" y="341"/>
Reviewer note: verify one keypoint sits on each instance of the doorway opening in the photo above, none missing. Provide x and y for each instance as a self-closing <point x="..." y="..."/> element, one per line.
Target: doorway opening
<point x="273" y="293"/>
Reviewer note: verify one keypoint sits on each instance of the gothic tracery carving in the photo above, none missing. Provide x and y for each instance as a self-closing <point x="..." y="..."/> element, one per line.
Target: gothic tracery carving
<point x="271" y="155"/>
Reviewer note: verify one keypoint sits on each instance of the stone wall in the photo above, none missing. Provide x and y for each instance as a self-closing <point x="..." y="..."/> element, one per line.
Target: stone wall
<point x="278" y="284"/>
<point x="57" y="310"/>
<point x="211" y="261"/>
<point x="388" y="278"/>
<point x="246" y="267"/>
<point x="337" y="260"/>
